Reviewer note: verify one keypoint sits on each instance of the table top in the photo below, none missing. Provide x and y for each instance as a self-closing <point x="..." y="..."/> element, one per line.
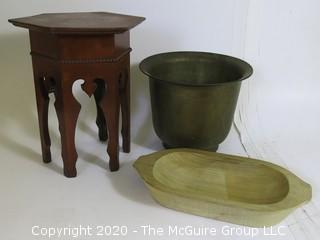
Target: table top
<point x="80" y="22"/>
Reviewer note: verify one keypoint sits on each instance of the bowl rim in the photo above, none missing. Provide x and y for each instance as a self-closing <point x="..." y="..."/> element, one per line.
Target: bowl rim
<point x="246" y="74"/>
<point x="145" y="164"/>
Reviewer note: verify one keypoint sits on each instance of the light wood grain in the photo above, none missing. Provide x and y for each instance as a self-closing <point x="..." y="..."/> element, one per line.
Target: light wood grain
<point x="229" y="188"/>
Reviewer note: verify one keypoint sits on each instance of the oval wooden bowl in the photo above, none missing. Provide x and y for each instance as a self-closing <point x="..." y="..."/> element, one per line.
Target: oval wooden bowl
<point x="229" y="188"/>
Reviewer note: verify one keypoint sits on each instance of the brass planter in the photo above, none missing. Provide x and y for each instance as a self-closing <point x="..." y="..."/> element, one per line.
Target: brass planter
<point x="193" y="96"/>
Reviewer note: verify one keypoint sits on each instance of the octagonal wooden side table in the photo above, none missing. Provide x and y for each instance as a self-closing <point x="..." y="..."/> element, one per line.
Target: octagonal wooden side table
<point x="94" y="47"/>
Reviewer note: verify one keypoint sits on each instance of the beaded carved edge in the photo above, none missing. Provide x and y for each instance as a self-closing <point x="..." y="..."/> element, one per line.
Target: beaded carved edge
<point x="84" y="61"/>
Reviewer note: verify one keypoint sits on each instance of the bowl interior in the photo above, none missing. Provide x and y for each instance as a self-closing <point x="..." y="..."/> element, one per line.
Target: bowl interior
<point x="235" y="180"/>
<point x="195" y="68"/>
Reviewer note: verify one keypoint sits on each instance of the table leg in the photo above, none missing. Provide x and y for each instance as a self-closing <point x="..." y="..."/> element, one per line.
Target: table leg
<point x="110" y="105"/>
<point x="42" y="97"/>
<point x="125" y="110"/>
<point x="100" y="120"/>
<point x="67" y="109"/>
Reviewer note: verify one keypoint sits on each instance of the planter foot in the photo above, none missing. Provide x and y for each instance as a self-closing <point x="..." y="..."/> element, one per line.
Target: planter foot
<point x="211" y="149"/>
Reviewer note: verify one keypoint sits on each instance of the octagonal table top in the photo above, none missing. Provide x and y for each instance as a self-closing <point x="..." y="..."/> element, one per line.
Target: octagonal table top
<point x="78" y="22"/>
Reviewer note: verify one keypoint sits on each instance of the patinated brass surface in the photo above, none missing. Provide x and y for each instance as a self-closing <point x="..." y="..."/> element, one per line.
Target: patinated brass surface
<point x="193" y="96"/>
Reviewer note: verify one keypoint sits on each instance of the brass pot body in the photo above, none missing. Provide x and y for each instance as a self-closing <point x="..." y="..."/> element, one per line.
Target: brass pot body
<point x="194" y="96"/>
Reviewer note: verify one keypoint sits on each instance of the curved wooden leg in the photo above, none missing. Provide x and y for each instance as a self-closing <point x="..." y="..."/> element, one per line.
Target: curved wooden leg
<point x="110" y="105"/>
<point x="67" y="109"/>
<point x="100" y="120"/>
<point x="42" y="97"/>
<point x="125" y="110"/>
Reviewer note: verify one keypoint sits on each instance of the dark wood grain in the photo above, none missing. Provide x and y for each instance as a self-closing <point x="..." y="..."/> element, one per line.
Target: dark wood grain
<point x="79" y="22"/>
<point x="93" y="47"/>
<point x="100" y="120"/>
<point x="67" y="109"/>
<point x="125" y="109"/>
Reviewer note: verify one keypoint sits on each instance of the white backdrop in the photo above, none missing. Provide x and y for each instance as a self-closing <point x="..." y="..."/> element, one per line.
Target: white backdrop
<point x="276" y="119"/>
<point x="278" y="115"/>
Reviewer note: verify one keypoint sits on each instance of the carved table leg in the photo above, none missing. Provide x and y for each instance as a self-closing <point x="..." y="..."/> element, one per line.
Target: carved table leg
<point x="42" y="97"/>
<point x="111" y="108"/>
<point x="101" y="121"/>
<point x="67" y="109"/>
<point x="125" y="110"/>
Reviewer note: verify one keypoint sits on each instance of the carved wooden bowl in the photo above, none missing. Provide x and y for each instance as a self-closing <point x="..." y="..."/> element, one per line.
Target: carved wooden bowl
<point x="229" y="188"/>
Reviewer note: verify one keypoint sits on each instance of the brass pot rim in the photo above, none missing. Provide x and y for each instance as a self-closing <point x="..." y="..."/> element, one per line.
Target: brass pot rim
<point x="247" y="73"/>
